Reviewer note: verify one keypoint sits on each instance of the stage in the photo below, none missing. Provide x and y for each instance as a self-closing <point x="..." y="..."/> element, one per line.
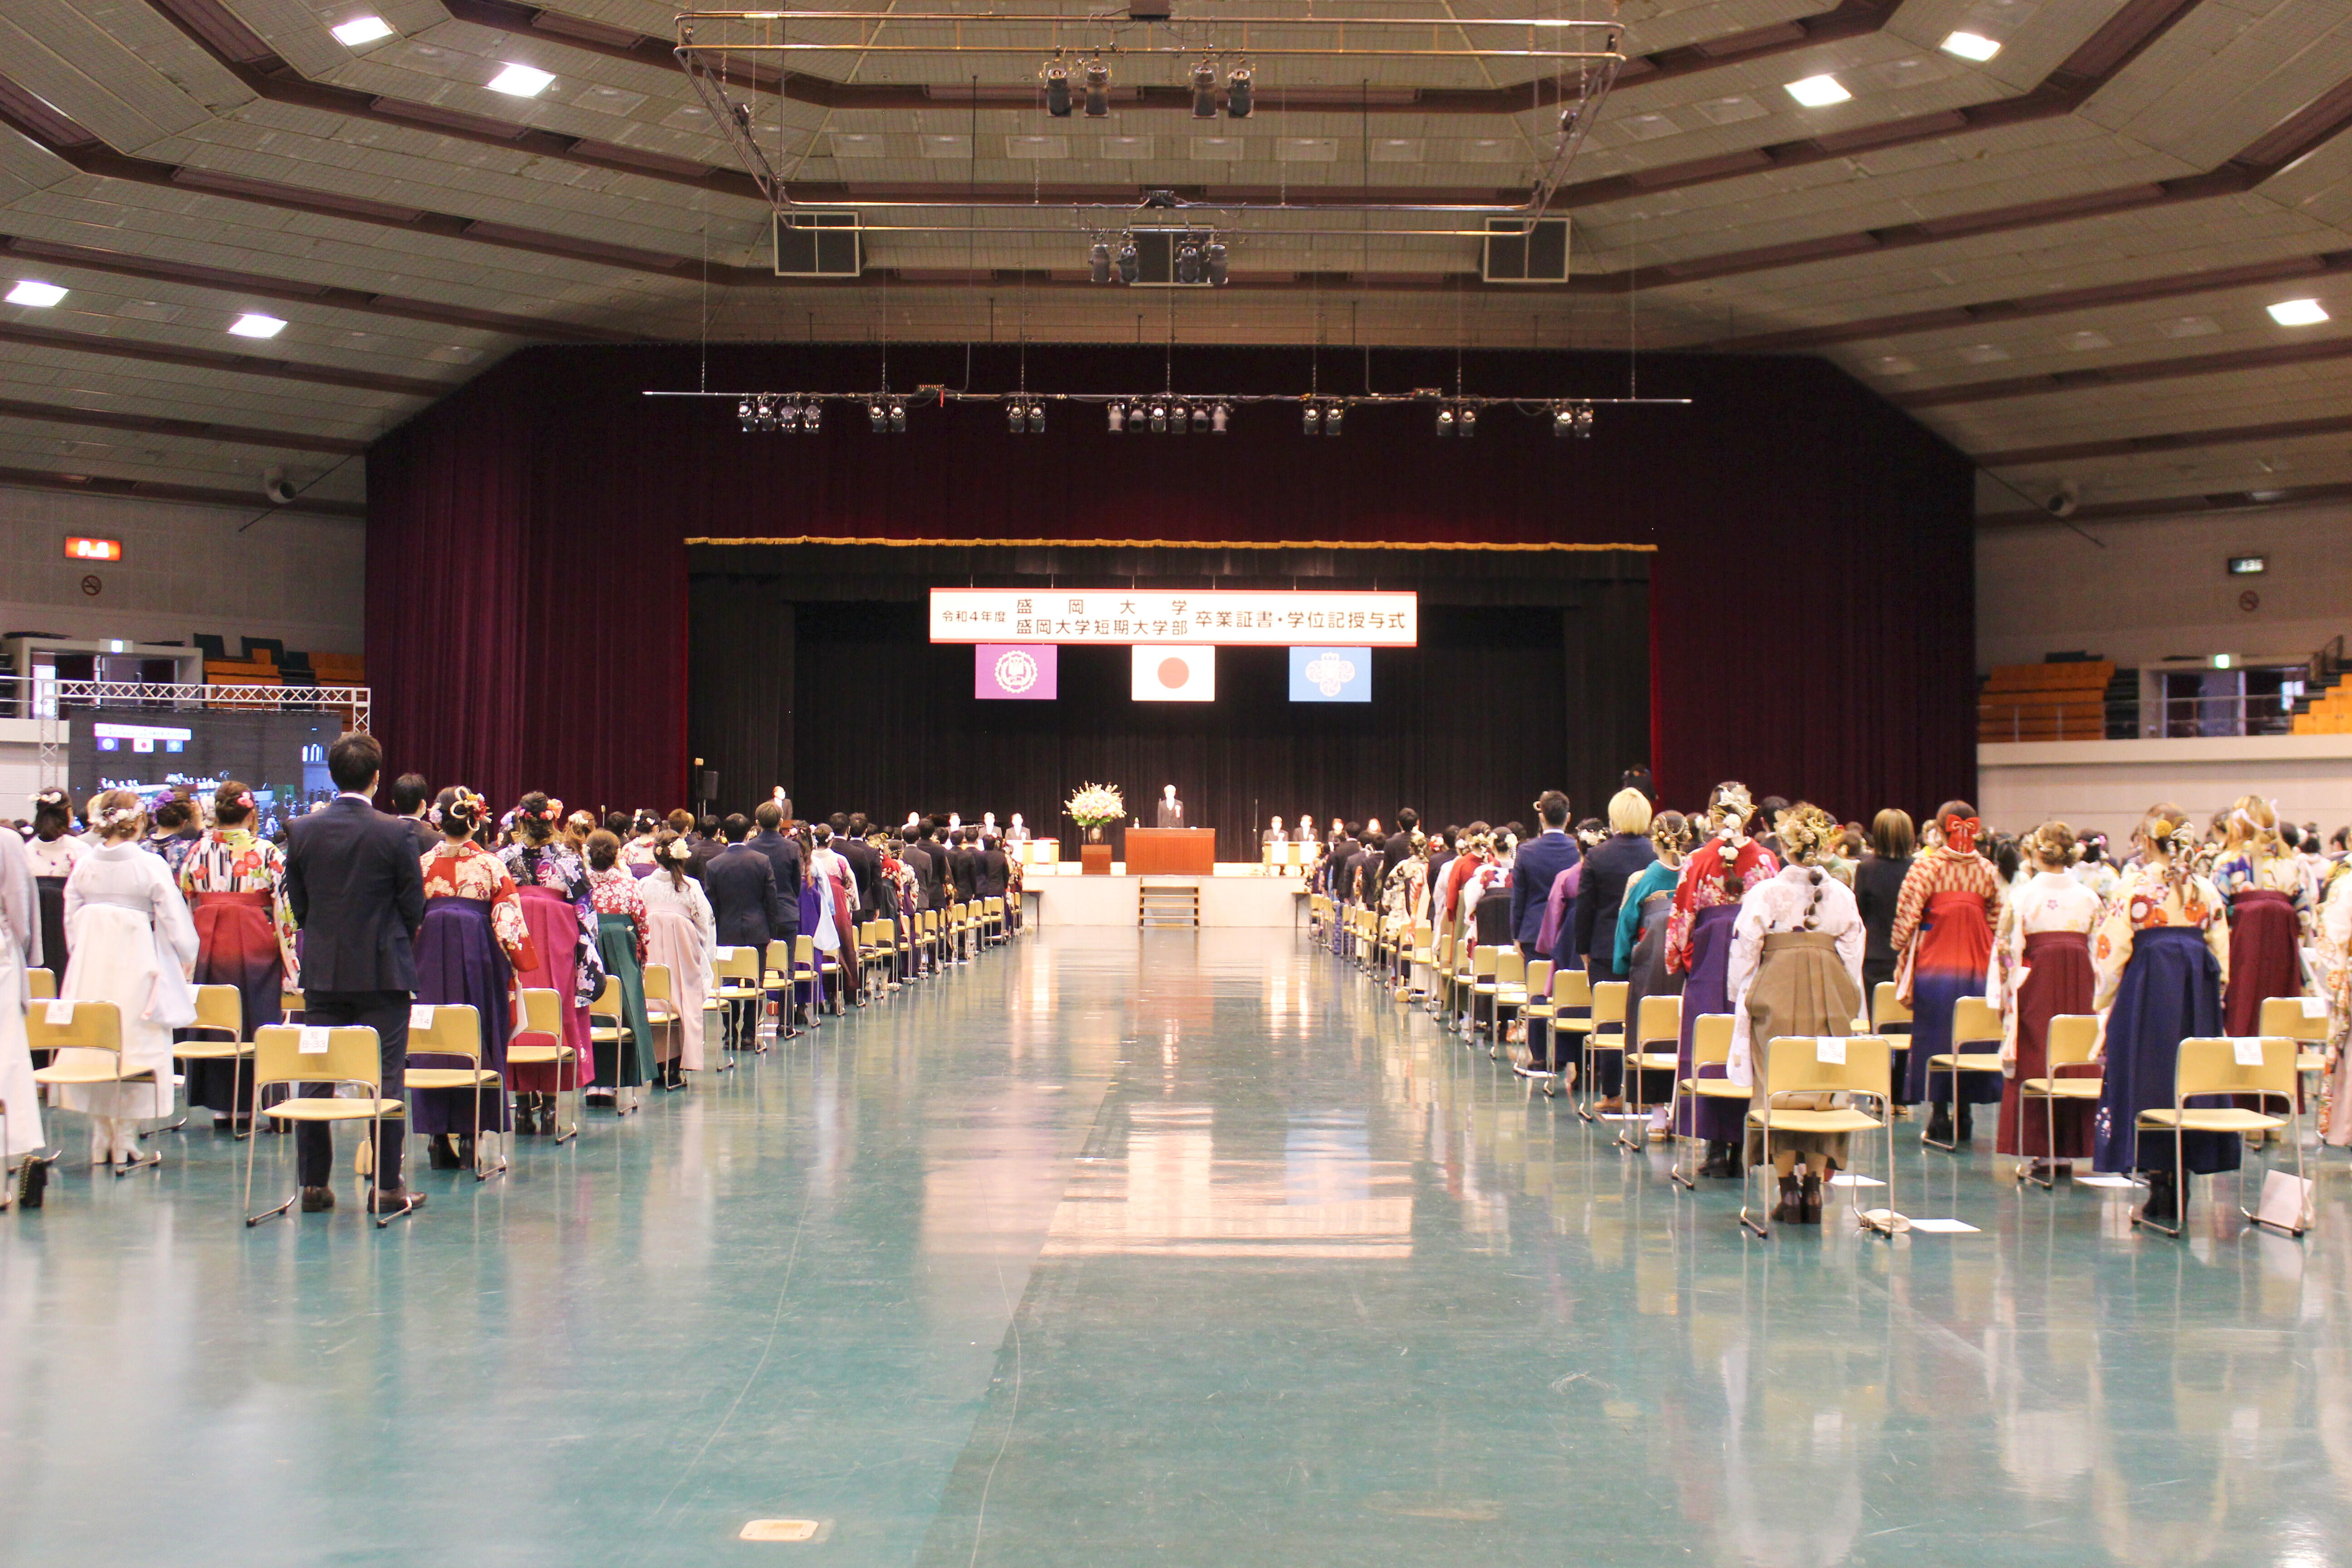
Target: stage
<point x="1238" y="895"/>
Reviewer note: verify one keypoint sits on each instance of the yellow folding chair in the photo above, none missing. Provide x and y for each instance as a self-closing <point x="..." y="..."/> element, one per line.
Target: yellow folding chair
<point x="94" y="1031"/>
<point x="220" y="1014"/>
<point x="542" y="1019"/>
<point x="776" y="983"/>
<point x="2290" y="1018"/>
<point x="1604" y="1031"/>
<point x="1656" y="1047"/>
<point x="736" y="982"/>
<point x="1975" y="1022"/>
<point x="454" y="1029"/>
<point x="1800" y="1066"/>
<point x="343" y="1057"/>
<point x="661" y="1005"/>
<point x="1710" y="1047"/>
<point x="608" y="1025"/>
<point x="2072" y="1041"/>
<point x="1891" y="1018"/>
<point x="41" y="984"/>
<point x="2262" y="1067"/>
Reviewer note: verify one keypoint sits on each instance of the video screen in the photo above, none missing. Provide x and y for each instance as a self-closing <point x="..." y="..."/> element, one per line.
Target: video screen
<point x="282" y="756"/>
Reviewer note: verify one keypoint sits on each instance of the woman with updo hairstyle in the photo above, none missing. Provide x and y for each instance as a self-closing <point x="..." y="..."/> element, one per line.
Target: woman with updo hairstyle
<point x="473" y="941"/>
<point x="2042" y="970"/>
<point x="132" y="943"/>
<point x="681" y="933"/>
<point x="637" y="845"/>
<point x="235" y="884"/>
<point x="563" y="919"/>
<point x="628" y="1061"/>
<point x="55" y="850"/>
<point x="2160" y="953"/>
<point x="1707" y="892"/>
<point x="2262" y="882"/>
<point x="1943" y="920"/>
<point x="1638" y="942"/>
<point x="1795" y="972"/>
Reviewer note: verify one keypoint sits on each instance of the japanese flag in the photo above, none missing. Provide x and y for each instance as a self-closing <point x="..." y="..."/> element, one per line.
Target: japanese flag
<point x="1175" y="674"/>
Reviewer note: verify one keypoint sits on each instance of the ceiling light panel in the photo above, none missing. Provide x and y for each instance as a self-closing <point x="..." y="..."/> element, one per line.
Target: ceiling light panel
<point x="521" y="81"/>
<point x="361" y="30"/>
<point x="30" y="291"/>
<point x="2298" y="312"/>
<point x="253" y="324"/>
<point x="1818" y="92"/>
<point x="1970" y="47"/>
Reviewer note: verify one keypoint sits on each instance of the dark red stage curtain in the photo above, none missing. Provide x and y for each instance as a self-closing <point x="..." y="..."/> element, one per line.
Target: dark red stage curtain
<point x="1812" y="615"/>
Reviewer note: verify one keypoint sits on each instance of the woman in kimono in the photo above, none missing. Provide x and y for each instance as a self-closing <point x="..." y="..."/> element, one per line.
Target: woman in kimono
<point x="1943" y="930"/>
<point x="132" y="943"/>
<point x="828" y="896"/>
<point x="245" y="937"/>
<point x="1795" y="970"/>
<point x="474" y="939"/>
<point x="562" y="916"/>
<point x="2334" y="930"/>
<point x="682" y="934"/>
<point x="621" y="942"/>
<point x="2262" y="883"/>
<point x="1699" y="947"/>
<point x="2161" y="950"/>
<point x="638" y="850"/>
<point x="1638" y="949"/>
<point x="20" y="949"/>
<point x="55" y="849"/>
<point x="2041" y="970"/>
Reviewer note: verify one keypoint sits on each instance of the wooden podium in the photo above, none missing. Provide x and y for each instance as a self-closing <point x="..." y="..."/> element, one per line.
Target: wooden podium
<point x="1166" y="851"/>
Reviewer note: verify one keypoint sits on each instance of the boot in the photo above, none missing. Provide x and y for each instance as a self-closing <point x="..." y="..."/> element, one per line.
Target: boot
<point x="465" y="1151"/>
<point x="1810" y="1211"/>
<point x="442" y="1152"/>
<point x="1791" y="1204"/>
<point x="2163" y="1205"/>
<point x="1967" y="1123"/>
<point x="31" y="1183"/>
<point x="1939" y="1124"/>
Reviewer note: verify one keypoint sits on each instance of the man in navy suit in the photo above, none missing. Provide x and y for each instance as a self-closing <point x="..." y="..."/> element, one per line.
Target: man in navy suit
<point x="356" y="888"/>
<point x="783" y="853"/>
<point x="741" y="882"/>
<point x="1541" y="861"/>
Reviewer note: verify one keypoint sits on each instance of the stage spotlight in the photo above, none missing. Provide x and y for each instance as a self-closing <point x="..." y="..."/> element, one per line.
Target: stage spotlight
<point x="1130" y="263"/>
<point x="1036" y="419"/>
<point x="1188" y="261"/>
<point x="1310" y="419"/>
<point x="1098" y="262"/>
<point x="1160" y="419"/>
<point x="1117" y="420"/>
<point x="1097" y="89"/>
<point x="1212" y="262"/>
<point x="1465" y="421"/>
<point x="1217" y="418"/>
<point x="1013" y="418"/>
<point x="766" y="419"/>
<point x="788" y="417"/>
<point x="1204" y="92"/>
<point x="1331" y="417"/>
<point x="1201" y="420"/>
<point x="1179" y="421"/>
<point x="1563" y="422"/>
<point x="1445" y="420"/>
<point x="1057" y="89"/>
<point x="746" y="410"/>
<point x="811" y="416"/>
<point x="1237" y="93"/>
<point x="880" y="417"/>
<point x="897" y="417"/>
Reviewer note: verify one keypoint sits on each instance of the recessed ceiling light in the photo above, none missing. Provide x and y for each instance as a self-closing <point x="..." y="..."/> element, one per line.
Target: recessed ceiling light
<point x="1818" y="91"/>
<point x="28" y="293"/>
<point x="521" y="81"/>
<point x="361" y="30"/>
<point x="254" y="325"/>
<point x="1970" y="47"/>
<point x="2298" y="312"/>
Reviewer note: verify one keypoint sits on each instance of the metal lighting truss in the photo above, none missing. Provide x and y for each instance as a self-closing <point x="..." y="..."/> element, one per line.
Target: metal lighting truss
<point x="49" y="701"/>
<point x="759" y="410"/>
<point x="722" y="52"/>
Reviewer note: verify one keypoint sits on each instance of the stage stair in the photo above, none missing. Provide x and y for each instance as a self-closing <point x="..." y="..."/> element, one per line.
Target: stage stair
<point x="1167" y="903"/>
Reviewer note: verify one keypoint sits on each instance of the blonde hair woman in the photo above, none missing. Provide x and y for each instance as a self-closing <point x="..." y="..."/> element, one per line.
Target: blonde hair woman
<point x="2041" y="969"/>
<point x="132" y="945"/>
<point x="2269" y="898"/>
<point x="1599" y="895"/>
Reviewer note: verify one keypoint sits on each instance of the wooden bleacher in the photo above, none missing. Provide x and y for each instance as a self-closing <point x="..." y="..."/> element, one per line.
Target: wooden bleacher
<point x="266" y="664"/>
<point x="2063" y="700"/>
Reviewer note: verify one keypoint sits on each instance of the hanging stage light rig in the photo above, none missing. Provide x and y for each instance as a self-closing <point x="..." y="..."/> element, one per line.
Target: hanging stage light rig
<point x="1457" y="415"/>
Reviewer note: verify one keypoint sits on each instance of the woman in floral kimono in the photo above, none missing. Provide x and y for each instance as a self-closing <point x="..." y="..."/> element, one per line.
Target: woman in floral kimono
<point x="2262" y="882"/>
<point x="2161" y="952"/>
<point x="1944" y="919"/>
<point x="245" y="938"/>
<point x="2041" y="970"/>
<point x="563" y="919"/>
<point x="474" y="939"/>
<point x="621" y="942"/>
<point x="1699" y="947"/>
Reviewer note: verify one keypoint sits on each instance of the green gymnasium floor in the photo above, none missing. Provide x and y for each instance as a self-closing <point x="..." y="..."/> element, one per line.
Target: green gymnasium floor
<point x="1172" y="1248"/>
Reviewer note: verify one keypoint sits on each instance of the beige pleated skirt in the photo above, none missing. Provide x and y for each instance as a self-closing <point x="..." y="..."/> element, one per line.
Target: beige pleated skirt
<point x="1801" y="988"/>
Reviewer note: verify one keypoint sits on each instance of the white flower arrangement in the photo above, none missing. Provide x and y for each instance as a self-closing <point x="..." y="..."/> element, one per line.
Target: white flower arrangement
<point x="1096" y="806"/>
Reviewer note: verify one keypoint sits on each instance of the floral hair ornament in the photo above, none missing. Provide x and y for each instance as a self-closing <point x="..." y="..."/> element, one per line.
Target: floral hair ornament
<point x="117" y="816"/>
<point x="1960" y="833"/>
<point x="680" y="849"/>
<point x="1730" y="809"/>
<point x="244" y="798"/>
<point x="50" y="797"/>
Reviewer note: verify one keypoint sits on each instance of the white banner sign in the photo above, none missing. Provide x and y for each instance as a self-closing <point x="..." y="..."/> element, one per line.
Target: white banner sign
<point x="1113" y="616"/>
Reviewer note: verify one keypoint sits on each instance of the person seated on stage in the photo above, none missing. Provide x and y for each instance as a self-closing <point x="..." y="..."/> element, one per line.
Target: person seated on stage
<point x="1273" y="840"/>
<point x="1171" y="810"/>
<point x="1019" y="832"/>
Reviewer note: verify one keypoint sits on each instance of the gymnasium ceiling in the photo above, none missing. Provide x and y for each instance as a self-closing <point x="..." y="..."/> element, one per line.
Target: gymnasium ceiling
<point x="2061" y="258"/>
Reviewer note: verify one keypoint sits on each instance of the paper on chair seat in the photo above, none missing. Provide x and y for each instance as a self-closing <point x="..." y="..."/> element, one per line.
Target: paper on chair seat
<point x="1944" y="1226"/>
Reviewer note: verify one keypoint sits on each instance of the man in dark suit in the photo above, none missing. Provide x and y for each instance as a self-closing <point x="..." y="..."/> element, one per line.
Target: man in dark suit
<point x="849" y="843"/>
<point x="1363" y="873"/>
<point x="1541" y="861"/>
<point x="1171" y="810"/>
<point x="963" y="865"/>
<point x="1400" y="844"/>
<point x="357" y="891"/>
<point x="915" y="854"/>
<point x="995" y="870"/>
<point x="935" y="855"/>
<point x="783" y="853"/>
<point x="741" y="882"/>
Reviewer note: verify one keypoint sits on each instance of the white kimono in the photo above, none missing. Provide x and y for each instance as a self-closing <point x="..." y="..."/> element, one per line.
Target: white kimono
<point x="131" y="941"/>
<point x="1778" y="904"/>
<point x="20" y="949"/>
<point x="682" y="933"/>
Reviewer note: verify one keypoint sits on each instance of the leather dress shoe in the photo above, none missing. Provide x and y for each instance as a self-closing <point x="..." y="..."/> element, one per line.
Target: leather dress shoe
<point x="385" y="1199"/>
<point x="317" y="1200"/>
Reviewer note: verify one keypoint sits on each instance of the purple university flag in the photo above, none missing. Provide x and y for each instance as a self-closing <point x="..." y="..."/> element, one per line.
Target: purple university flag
<point x="1027" y="671"/>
